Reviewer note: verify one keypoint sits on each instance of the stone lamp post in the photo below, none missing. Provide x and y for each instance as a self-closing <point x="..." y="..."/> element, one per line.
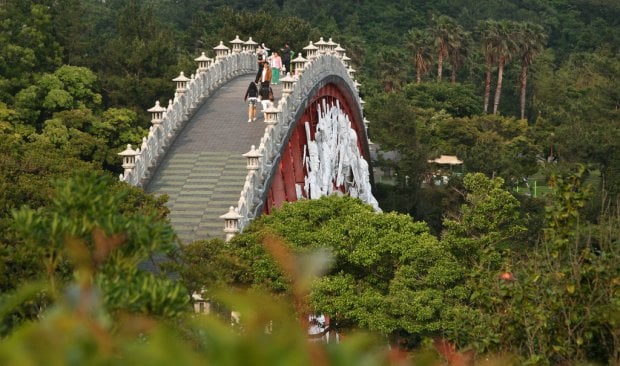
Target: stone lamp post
<point x="237" y="45"/>
<point x="129" y="159"/>
<point x="249" y="46"/>
<point x="253" y="157"/>
<point x="331" y="46"/>
<point x="345" y="59"/>
<point x="311" y="51"/>
<point x="231" y="222"/>
<point x="322" y="46"/>
<point x="181" y="81"/>
<point x="287" y="85"/>
<point x="339" y="51"/>
<point x="157" y="114"/>
<point x="299" y="64"/>
<point x="271" y="115"/>
<point x="351" y="72"/>
<point x="221" y="51"/>
<point x="203" y="63"/>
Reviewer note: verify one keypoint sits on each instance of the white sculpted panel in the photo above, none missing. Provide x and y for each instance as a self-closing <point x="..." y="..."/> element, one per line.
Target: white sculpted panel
<point x="333" y="159"/>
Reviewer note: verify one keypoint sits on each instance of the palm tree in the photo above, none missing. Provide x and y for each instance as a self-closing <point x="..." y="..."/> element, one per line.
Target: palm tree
<point x="505" y="48"/>
<point x="488" y="35"/>
<point x="530" y="43"/>
<point x="457" y="49"/>
<point x="419" y="42"/>
<point x="442" y="30"/>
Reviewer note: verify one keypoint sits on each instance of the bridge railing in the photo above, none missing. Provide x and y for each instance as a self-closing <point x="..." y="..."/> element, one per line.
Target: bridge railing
<point x="314" y="71"/>
<point x="167" y="122"/>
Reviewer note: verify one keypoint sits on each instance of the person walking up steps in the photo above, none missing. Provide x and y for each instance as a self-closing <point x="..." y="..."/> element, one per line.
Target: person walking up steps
<point x="276" y="64"/>
<point x="251" y="96"/>
<point x="261" y="57"/>
<point x="265" y="85"/>
<point x="286" y="58"/>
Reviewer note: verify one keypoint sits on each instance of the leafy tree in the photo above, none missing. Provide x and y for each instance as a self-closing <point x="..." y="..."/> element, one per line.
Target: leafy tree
<point x="457" y="99"/>
<point x="85" y="225"/>
<point x="27" y="45"/>
<point x="69" y="87"/>
<point x="394" y="128"/>
<point x="392" y="69"/>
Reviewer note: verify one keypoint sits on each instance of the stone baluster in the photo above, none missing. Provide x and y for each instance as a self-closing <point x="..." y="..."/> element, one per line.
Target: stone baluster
<point x="331" y="46"/>
<point x="271" y="116"/>
<point x="339" y="51"/>
<point x="249" y="46"/>
<point x="181" y="81"/>
<point x="345" y="59"/>
<point x="253" y="157"/>
<point x="221" y="51"/>
<point x="299" y="64"/>
<point x="287" y="85"/>
<point x="237" y="45"/>
<point x="231" y="222"/>
<point x="129" y="160"/>
<point x="311" y="51"/>
<point x="157" y="115"/>
<point x="203" y="63"/>
<point x="351" y="72"/>
<point x="321" y="47"/>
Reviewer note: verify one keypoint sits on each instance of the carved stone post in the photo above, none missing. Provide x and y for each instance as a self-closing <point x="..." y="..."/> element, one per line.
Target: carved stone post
<point x="181" y="81"/>
<point x="287" y="85"/>
<point x="203" y="63"/>
<point x="157" y="114"/>
<point x="322" y="46"/>
<point x="271" y="115"/>
<point x="231" y="222"/>
<point x="339" y="51"/>
<point x="129" y="160"/>
<point x="331" y="46"/>
<point x="253" y="156"/>
<point x="345" y="59"/>
<point x="351" y="72"/>
<point x="236" y="45"/>
<point x="249" y="46"/>
<point x="221" y="51"/>
<point x="299" y="64"/>
<point x="311" y="51"/>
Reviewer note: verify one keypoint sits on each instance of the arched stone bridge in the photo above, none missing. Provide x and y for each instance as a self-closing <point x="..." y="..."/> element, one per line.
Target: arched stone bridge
<point x="220" y="171"/>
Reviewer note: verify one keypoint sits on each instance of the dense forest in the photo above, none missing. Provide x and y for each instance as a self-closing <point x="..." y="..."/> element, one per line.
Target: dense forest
<point x="518" y="90"/>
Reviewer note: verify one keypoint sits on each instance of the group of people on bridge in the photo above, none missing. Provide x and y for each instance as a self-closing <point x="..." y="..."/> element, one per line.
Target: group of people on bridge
<point x="269" y="69"/>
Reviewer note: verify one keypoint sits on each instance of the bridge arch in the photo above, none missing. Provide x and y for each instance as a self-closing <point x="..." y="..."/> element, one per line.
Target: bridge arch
<point x="289" y="172"/>
<point x="323" y="97"/>
<point x="325" y="78"/>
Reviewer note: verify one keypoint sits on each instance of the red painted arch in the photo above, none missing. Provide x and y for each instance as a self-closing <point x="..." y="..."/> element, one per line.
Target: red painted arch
<point x="290" y="170"/>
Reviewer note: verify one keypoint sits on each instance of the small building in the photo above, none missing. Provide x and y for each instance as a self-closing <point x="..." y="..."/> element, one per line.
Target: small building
<point x="442" y="168"/>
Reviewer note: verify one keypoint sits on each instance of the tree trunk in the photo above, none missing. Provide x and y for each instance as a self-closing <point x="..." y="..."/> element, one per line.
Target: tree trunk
<point x="453" y="77"/>
<point x="523" y="87"/>
<point x="439" y="65"/>
<point x="418" y="74"/>
<point x="487" y="87"/>
<point x="498" y="90"/>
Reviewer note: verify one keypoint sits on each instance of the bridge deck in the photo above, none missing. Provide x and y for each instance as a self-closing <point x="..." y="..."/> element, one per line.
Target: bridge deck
<point x="203" y="172"/>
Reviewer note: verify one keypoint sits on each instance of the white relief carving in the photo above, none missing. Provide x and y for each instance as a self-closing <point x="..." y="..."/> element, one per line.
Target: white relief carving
<point x="333" y="160"/>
